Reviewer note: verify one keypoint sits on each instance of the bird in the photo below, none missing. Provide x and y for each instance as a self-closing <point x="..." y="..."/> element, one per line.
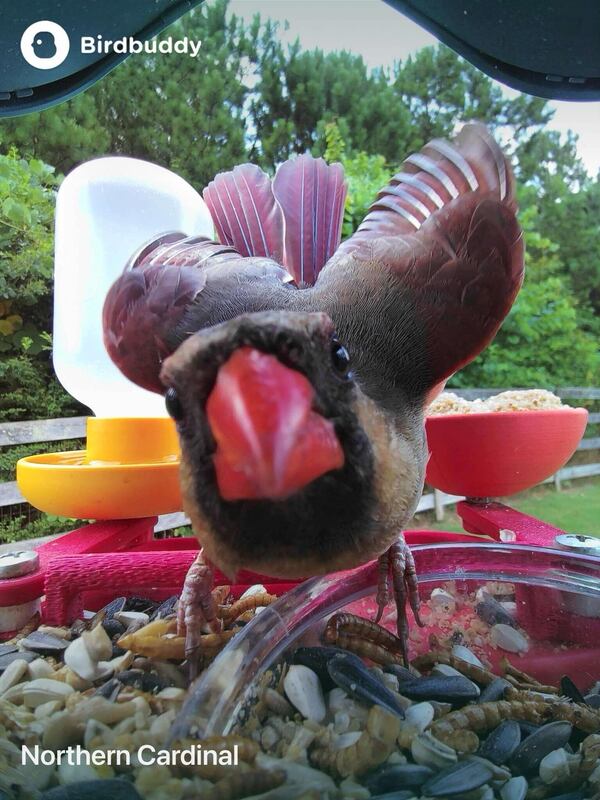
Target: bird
<point x="298" y="367"/>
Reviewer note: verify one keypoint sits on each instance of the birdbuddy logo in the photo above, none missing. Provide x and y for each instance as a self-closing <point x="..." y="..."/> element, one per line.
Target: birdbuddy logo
<point x="45" y="44"/>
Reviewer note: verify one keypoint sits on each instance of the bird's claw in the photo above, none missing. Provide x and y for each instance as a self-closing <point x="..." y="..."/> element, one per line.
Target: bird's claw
<point x="383" y="584"/>
<point x="196" y="610"/>
<point x="399" y="565"/>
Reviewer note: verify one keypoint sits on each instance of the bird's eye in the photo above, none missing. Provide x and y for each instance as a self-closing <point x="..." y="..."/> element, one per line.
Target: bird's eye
<point x="339" y="357"/>
<point x="173" y="404"/>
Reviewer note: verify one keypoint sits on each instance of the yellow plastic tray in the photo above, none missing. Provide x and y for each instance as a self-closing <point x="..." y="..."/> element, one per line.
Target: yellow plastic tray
<point x="130" y="469"/>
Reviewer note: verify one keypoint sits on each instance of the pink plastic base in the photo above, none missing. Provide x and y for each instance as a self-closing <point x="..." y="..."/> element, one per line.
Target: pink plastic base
<point x="488" y="519"/>
<point x="89" y="566"/>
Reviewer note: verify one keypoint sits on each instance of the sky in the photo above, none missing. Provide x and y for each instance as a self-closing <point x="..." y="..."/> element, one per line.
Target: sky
<point x="381" y="35"/>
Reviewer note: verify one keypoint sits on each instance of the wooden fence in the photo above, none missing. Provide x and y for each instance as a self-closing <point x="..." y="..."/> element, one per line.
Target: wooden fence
<point x="52" y="430"/>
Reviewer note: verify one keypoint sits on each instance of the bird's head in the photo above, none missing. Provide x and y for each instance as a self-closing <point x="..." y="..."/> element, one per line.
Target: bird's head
<point x="277" y="467"/>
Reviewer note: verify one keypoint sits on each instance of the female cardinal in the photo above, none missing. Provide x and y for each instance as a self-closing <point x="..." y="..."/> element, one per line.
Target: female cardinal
<point x="298" y="370"/>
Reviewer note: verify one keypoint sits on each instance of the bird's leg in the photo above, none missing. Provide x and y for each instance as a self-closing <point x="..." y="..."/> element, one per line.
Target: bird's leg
<point x="405" y="585"/>
<point x="383" y="584"/>
<point x="197" y="608"/>
<point x="399" y="561"/>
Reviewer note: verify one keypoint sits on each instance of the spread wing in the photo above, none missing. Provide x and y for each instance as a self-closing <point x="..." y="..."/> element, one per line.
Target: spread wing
<point x="446" y="229"/>
<point x="161" y="289"/>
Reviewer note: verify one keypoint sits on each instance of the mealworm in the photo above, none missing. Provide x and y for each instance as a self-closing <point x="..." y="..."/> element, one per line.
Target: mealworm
<point x="229" y="613"/>
<point x="365" y="649"/>
<point x="245" y="784"/>
<point x="351" y="625"/>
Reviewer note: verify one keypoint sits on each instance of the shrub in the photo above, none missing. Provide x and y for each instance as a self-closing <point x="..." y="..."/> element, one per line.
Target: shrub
<point x="28" y="388"/>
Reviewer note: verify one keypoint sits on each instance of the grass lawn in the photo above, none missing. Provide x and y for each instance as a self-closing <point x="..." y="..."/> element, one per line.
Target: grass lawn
<point x="575" y="509"/>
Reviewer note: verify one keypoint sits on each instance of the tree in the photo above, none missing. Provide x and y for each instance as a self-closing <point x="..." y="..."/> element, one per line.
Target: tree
<point x="298" y="91"/>
<point x="365" y="175"/>
<point x="572" y="221"/>
<point x="186" y="114"/>
<point x="64" y="135"/>
<point x="541" y="342"/>
<point x="28" y="388"/>
<point x="439" y="89"/>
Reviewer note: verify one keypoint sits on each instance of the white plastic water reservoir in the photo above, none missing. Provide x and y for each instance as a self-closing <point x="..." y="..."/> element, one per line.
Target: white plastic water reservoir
<point x="106" y="209"/>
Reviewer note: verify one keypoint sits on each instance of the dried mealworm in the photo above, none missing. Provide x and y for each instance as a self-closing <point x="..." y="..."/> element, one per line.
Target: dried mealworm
<point x="485" y="716"/>
<point x="351" y="625"/>
<point x="245" y="784"/>
<point x="246" y="617"/>
<point x="246" y="750"/>
<point x="215" y="641"/>
<point x="220" y="594"/>
<point x="365" y="649"/>
<point x="475" y="673"/>
<point x="249" y="603"/>
<point x="510" y="669"/>
<point x="277" y="703"/>
<point x="158" y="640"/>
<point x="537" y="687"/>
<point x="376" y="743"/>
<point x="28" y="628"/>
<point x="462" y="741"/>
<point x="521" y="680"/>
<point x="365" y="754"/>
<point x="155" y="640"/>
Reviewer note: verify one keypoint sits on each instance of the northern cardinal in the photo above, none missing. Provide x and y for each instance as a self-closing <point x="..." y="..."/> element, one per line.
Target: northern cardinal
<point x="298" y="370"/>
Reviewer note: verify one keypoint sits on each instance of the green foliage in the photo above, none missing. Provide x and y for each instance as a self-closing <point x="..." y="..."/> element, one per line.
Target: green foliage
<point x="28" y="389"/>
<point x="365" y="174"/>
<point x="570" y="218"/>
<point x="20" y="527"/>
<point x="183" y="113"/>
<point x="297" y="91"/>
<point x="440" y="89"/>
<point x="541" y="343"/>
<point x="64" y="135"/>
<point x="26" y="218"/>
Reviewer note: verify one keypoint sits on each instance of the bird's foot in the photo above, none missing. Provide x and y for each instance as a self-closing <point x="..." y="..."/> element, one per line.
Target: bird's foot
<point x="197" y="609"/>
<point x="397" y="566"/>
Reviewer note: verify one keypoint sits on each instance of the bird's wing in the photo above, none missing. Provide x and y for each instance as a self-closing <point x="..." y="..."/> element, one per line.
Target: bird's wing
<point x="446" y="228"/>
<point x="147" y="305"/>
<point x="295" y="219"/>
<point x="429" y="180"/>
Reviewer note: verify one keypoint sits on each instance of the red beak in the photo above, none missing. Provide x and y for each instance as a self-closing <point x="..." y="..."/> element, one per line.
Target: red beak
<point x="270" y="441"/>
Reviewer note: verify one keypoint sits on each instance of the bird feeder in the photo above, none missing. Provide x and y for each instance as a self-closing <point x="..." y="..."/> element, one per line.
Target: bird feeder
<point x="486" y="455"/>
<point x="105" y="209"/>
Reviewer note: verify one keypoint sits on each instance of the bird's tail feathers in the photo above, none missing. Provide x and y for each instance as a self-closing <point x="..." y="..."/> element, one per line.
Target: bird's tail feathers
<point x="295" y="219"/>
<point x="311" y="195"/>
<point x="245" y="212"/>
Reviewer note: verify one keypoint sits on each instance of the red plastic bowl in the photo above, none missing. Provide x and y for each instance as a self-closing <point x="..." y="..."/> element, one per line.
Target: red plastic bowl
<point x="499" y="453"/>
